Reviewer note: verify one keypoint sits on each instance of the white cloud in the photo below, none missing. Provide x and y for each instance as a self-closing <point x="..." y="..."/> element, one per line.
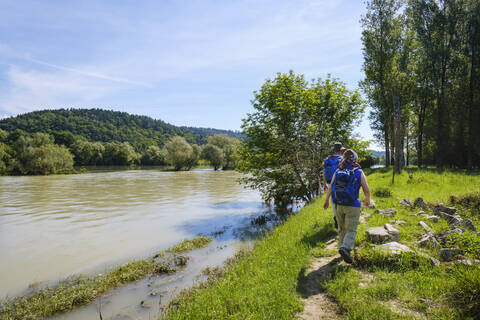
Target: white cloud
<point x="33" y="90"/>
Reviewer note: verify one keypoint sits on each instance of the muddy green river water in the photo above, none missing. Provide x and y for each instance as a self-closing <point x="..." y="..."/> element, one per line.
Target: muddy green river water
<point x="53" y="227"/>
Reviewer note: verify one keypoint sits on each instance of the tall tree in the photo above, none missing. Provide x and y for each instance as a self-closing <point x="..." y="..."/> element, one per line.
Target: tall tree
<point x="380" y="38"/>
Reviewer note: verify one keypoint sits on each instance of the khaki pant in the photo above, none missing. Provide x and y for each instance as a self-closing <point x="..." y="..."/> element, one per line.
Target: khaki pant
<point x="347" y="219"/>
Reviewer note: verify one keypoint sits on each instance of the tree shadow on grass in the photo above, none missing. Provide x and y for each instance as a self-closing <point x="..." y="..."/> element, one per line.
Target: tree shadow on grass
<point x="312" y="283"/>
<point x="325" y="233"/>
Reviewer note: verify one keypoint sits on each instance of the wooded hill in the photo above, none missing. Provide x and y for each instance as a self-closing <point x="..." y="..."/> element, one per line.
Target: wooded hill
<point x="106" y="126"/>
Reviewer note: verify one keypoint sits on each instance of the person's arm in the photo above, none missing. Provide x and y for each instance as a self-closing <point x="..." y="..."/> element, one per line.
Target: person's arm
<point x="324" y="181"/>
<point x="329" y="192"/>
<point x="366" y="190"/>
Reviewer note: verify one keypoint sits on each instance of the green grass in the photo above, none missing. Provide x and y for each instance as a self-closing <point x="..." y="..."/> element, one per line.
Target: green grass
<point x="77" y="291"/>
<point x="263" y="283"/>
<point x="408" y="286"/>
<point x="266" y="282"/>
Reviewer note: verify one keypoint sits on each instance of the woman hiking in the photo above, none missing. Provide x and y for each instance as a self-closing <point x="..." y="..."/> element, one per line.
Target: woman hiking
<point x="344" y="189"/>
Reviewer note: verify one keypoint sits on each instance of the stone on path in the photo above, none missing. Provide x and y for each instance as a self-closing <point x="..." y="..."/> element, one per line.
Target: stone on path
<point x="425" y="226"/>
<point x="443" y="235"/>
<point x="387" y="212"/>
<point x="428" y="240"/>
<point x="467" y="223"/>
<point x="406" y="203"/>
<point x="382" y="234"/>
<point x="441" y="208"/>
<point x="419" y="203"/>
<point x="433" y="219"/>
<point x="434" y="261"/>
<point x="419" y="213"/>
<point x="394" y="247"/>
<point x="447" y="254"/>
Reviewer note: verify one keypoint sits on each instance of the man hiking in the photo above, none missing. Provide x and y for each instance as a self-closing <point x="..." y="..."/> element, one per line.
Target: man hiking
<point x="329" y="167"/>
<point x="344" y="190"/>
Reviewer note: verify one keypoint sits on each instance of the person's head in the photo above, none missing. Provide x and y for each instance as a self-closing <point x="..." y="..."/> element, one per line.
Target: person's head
<point x="337" y="147"/>
<point x="349" y="157"/>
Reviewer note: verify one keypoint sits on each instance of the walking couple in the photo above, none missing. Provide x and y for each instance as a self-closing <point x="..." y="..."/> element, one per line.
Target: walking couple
<point x="343" y="178"/>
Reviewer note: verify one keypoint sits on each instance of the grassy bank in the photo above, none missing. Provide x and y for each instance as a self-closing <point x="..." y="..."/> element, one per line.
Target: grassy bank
<point x="77" y="291"/>
<point x="265" y="282"/>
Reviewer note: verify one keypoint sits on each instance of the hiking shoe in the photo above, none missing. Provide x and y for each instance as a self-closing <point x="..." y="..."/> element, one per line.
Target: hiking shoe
<point x="345" y="255"/>
<point x="335" y="221"/>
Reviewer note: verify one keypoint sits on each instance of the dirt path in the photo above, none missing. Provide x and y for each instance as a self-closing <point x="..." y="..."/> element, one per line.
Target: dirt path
<point x="317" y="304"/>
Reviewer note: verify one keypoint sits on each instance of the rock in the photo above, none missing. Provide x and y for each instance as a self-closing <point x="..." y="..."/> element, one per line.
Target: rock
<point x="406" y="203"/>
<point x="425" y="226"/>
<point x="399" y="222"/>
<point x="419" y="203"/>
<point x="441" y="208"/>
<point x="145" y="304"/>
<point x="443" y="235"/>
<point x="387" y="212"/>
<point x="451" y="219"/>
<point x="464" y="261"/>
<point x="428" y="240"/>
<point x="392" y="231"/>
<point x="467" y="223"/>
<point x="382" y="234"/>
<point x="394" y="247"/>
<point x="419" y="213"/>
<point x="433" y="219"/>
<point x="434" y="261"/>
<point x="447" y="254"/>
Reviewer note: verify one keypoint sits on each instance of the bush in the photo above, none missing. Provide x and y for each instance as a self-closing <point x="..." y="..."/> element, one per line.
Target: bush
<point x="382" y="192"/>
<point x="469" y="201"/>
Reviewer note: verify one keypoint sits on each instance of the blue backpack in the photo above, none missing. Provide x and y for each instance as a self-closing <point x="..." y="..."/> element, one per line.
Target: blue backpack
<point x="331" y="164"/>
<point x="345" y="187"/>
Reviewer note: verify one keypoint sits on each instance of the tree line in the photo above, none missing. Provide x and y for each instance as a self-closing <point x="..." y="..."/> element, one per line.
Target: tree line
<point x="426" y="53"/>
<point x="106" y="126"/>
<point x="26" y="153"/>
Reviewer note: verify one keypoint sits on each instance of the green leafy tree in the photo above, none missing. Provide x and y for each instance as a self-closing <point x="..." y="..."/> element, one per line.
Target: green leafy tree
<point x="87" y="153"/>
<point x="214" y="155"/>
<point x="153" y="155"/>
<point x="37" y="154"/>
<point x="180" y="154"/>
<point x="291" y="132"/>
<point x="226" y="144"/>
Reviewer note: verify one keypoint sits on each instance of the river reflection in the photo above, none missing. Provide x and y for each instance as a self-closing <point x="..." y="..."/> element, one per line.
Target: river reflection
<point x="52" y="227"/>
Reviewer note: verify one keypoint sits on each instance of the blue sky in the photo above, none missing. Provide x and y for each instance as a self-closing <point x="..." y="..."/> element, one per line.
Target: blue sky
<point x="191" y="63"/>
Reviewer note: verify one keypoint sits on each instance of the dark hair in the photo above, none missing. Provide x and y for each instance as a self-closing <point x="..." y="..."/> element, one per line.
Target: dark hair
<point x="349" y="156"/>
<point x="337" y="147"/>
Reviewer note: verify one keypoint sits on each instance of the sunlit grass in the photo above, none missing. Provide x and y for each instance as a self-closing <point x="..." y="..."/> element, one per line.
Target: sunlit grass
<point x="266" y="282"/>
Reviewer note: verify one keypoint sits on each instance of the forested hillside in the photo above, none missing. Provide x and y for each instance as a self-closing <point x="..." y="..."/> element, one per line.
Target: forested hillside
<point x="105" y="126"/>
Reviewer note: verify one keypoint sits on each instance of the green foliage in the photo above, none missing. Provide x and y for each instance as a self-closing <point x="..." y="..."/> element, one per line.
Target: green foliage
<point x="181" y="155"/>
<point x="87" y="153"/>
<point x="105" y="126"/>
<point x="37" y="154"/>
<point x="214" y="155"/>
<point x="427" y="53"/>
<point x="469" y="201"/>
<point x="382" y="192"/>
<point x="468" y="242"/>
<point x="227" y="146"/>
<point x="291" y="133"/>
<point x="191" y="244"/>
<point x="153" y="155"/>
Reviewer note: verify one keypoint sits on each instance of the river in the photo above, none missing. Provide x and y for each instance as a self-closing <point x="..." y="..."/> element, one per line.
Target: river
<point x="53" y="227"/>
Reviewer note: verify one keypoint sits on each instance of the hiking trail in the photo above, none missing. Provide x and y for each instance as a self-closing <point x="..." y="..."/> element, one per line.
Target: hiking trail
<point x="317" y="304"/>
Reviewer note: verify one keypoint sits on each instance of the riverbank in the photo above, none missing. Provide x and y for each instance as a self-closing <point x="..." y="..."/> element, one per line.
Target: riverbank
<point x="269" y="281"/>
<point x="73" y="292"/>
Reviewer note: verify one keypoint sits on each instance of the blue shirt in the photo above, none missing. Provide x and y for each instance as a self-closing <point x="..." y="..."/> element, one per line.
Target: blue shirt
<point x="357" y="184"/>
